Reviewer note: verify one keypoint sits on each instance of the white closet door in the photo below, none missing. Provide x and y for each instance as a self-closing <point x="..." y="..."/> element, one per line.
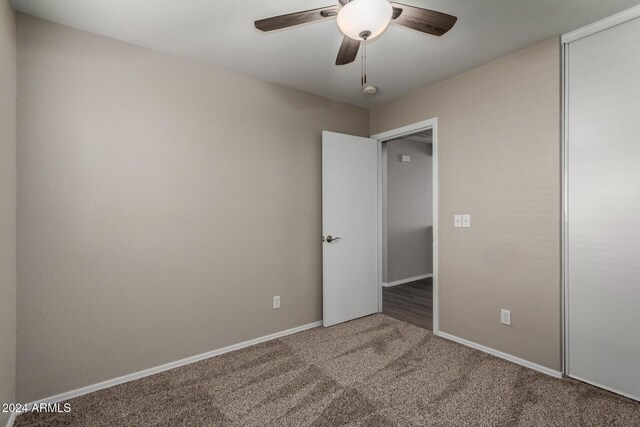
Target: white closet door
<point x="603" y="207"/>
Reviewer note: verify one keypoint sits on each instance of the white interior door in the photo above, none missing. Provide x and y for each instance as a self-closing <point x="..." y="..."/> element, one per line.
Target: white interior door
<point x="603" y="208"/>
<point x="350" y="216"/>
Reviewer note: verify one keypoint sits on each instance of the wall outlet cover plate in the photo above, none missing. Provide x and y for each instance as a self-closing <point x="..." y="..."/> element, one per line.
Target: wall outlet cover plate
<point x="505" y="317"/>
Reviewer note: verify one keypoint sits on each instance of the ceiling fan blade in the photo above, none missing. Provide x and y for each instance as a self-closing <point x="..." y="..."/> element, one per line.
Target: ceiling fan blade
<point x="348" y="51"/>
<point x="423" y="20"/>
<point x="297" y="18"/>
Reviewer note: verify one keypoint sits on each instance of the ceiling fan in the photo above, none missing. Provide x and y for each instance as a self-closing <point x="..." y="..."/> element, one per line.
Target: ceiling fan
<point x="362" y="20"/>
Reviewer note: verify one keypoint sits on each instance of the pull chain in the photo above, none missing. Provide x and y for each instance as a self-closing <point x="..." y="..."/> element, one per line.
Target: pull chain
<point x="364" y="35"/>
<point x="364" y="63"/>
<point x="364" y="43"/>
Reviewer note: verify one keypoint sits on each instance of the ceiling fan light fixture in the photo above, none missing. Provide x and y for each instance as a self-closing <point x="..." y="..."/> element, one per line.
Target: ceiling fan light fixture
<point x="364" y="16"/>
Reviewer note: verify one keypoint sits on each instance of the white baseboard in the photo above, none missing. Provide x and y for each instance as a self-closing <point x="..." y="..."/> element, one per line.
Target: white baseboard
<point x="151" y="371"/>
<point x="407" y="280"/>
<point x="501" y="355"/>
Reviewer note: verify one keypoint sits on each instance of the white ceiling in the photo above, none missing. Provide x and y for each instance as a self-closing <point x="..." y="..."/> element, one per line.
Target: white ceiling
<point x="221" y="33"/>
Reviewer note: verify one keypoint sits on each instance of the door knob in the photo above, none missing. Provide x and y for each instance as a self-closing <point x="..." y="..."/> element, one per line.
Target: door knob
<point x="331" y="238"/>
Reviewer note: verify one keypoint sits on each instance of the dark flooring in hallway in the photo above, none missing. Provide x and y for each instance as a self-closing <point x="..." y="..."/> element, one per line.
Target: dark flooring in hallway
<point x="411" y="302"/>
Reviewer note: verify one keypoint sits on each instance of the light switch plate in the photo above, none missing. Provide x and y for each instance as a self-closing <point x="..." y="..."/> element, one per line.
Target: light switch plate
<point x="457" y="221"/>
<point x="466" y="221"/>
<point x="276" y="302"/>
<point x="405" y="158"/>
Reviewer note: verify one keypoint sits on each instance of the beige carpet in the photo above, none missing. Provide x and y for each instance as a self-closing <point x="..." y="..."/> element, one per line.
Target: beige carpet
<point x="375" y="371"/>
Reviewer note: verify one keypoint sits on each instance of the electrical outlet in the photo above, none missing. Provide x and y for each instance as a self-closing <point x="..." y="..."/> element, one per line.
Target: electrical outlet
<point x="457" y="221"/>
<point x="505" y="317"/>
<point x="466" y="221"/>
<point x="276" y="302"/>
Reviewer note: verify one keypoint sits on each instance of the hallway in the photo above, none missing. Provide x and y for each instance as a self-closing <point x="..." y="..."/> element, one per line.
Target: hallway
<point x="411" y="302"/>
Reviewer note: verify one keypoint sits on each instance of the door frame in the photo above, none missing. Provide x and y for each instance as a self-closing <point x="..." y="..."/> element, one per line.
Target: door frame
<point x="393" y="134"/>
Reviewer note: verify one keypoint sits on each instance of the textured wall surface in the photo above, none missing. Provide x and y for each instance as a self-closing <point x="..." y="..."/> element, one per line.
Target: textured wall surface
<point x="409" y="210"/>
<point x="162" y="204"/>
<point x="7" y="206"/>
<point x="499" y="160"/>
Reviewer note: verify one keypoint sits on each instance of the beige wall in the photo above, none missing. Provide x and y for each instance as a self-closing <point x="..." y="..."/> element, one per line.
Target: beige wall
<point x="499" y="160"/>
<point x="7" y="206"/>
<point x="409" y="210"/>
<point x="162" y="204"/>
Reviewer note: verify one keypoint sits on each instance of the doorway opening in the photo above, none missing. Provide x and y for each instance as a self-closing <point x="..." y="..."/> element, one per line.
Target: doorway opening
<point x="408" y="223"/>
<point x="407" y="228"/>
